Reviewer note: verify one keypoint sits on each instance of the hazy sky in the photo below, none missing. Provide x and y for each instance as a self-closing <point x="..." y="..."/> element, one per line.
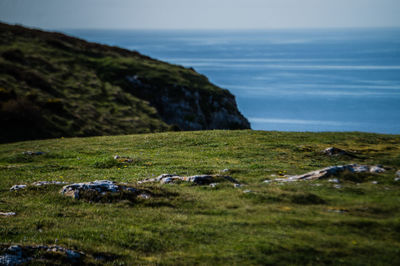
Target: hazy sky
<point x="201" y="14"/>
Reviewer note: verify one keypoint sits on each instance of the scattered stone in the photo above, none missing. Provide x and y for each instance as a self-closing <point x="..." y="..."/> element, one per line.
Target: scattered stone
<point x="213" y="184"/>
<point x="99" y="189"/>
<point x="196" y="179"/>
<point x="374" y="182"/>
<point x="333" y="171"/>
<point x="15" y="255"/>
<point x="398" y="174"/>
<point x="247" y="191"/>
<point x="333" y="151"/>
<point x="44" y="183"/>
<point x="237" y="185"/>
<point x="316" y="185"/>
<point x="144" y="196"/>
<point x="7" y="213"/>
<point x="337" y="186"/>
<point x="123" y="159"/>
<point x="225" y="170"/>
<point x="32" y="153"/>
<point x="397" y="179"/>
<point x="17" y="187"/>
<point x="338" y="210"/>
<point x="267" y="181"/>
<point x="334" y="180"/>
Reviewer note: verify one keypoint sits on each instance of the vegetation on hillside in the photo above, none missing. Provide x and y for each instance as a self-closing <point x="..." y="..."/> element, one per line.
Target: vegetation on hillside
<point x="307" y="222"/>
<point x="53" y="85"/>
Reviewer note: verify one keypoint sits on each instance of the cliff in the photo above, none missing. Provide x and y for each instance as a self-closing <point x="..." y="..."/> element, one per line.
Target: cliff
<point x="53" y="85"/>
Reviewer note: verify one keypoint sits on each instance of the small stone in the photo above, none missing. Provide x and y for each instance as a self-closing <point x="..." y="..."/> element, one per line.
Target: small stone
<point x="17" y="187"/>
<point x="334" y="180"/>
<point x="267" y="181"/>
<point x="377" y="169"/>
<point x="398" y="173"/>
<point x="116" y="157"/>
<point x="337" y="186"/>
<point x="332" y="151"/>
<point x="7" y="213"/>
<point x="374" y="182"/>
<point x="44" y="183"/>
<point x="213" y="184"/>
<point x="397" y="179"/>
<point x="247" y="191"/>
<point x="237" y="185"/>
<point x="32" y="153"/>
<point x="226" y="170"/>
<point x="144" y="196"/>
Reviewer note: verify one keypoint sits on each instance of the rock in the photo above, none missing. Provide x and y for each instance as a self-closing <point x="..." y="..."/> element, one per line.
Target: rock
<point x="213" y="184"/>
<point x="398" y="173"/>
<point x="333" y="171"/>
<point x="32" y="153"/>
<point x="200" y="179"/>
<point x="97" y="190"/>
<point x="334" y="180"/>
<point x="397" y="179"/>
<point x="225" y="170"/>
<point x="377" y="169"/>
<point x="337" y="186"/>
<point x="374" y="182"/>
<point x="44" y="183"/>
<point x="196" y="179"/>
<point x="237" y="185"/>
<point x="332" y="151"/>
<point x="15" y="255"/>
<point x="267" y="181"/>
<point x="17" y="187"/>
<point x="7" y="213"/>
<point x="123" y="159"/>
<point x="247" y="191"/>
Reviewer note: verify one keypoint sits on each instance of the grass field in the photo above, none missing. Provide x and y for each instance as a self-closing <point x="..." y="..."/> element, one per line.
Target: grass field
<point x="307" y="222"/>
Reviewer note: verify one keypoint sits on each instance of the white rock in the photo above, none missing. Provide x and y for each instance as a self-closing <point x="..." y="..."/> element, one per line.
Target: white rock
<point x="337" y="186"/>
<point x="213" y="184"/>
<point x="332" y="171"/>
<point x="44" y="183"/>
<point x="267" y="181"/>
<point x="334" y="180"/>
<point x="397" y="179"/>
<point x="17" y="187"/>
<point x="7" y="213"/>
<point x="374" y="182"/>
<point x="247" y="191"/>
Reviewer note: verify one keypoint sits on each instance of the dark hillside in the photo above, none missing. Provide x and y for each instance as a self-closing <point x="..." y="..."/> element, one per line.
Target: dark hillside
<point x="53" y="85"/>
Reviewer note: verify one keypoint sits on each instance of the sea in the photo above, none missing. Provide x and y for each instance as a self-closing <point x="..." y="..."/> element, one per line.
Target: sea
<point x="287" y="80"/>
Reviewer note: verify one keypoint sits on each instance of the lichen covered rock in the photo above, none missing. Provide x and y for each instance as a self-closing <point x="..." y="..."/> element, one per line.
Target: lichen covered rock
<point x="102" y="190"/>
<point x="196" y="179"/>
<point x="333" y="171"/>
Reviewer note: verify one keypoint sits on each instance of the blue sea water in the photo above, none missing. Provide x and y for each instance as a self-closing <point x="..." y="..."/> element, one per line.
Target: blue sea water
<point x="288" y="80"/>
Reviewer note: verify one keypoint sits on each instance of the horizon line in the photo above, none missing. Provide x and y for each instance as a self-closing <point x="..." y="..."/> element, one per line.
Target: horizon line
<point x="205" y="29"/>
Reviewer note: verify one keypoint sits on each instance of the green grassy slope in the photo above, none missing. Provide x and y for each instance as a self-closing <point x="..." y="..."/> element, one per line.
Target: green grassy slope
<point x="297" y="223"/>
<point x="53" y="85"/>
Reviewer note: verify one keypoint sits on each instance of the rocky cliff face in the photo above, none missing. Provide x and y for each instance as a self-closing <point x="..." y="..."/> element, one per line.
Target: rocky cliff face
<point x="57" y="85"/>
<point x="191" y="109"/>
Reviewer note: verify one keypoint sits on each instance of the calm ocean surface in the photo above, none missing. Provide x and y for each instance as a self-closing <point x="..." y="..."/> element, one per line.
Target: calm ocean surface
<point x="290" y="80"/>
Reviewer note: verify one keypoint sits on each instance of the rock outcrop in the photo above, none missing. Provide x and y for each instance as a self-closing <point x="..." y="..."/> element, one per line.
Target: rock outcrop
<point x="102" y="190"/>
<point x="333" y="171"/>
<point x="196" y="179"/>
<point x="16" y="254"/>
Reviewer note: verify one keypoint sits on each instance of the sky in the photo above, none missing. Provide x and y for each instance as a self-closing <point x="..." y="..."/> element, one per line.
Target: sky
<point x="200" y="14"/>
